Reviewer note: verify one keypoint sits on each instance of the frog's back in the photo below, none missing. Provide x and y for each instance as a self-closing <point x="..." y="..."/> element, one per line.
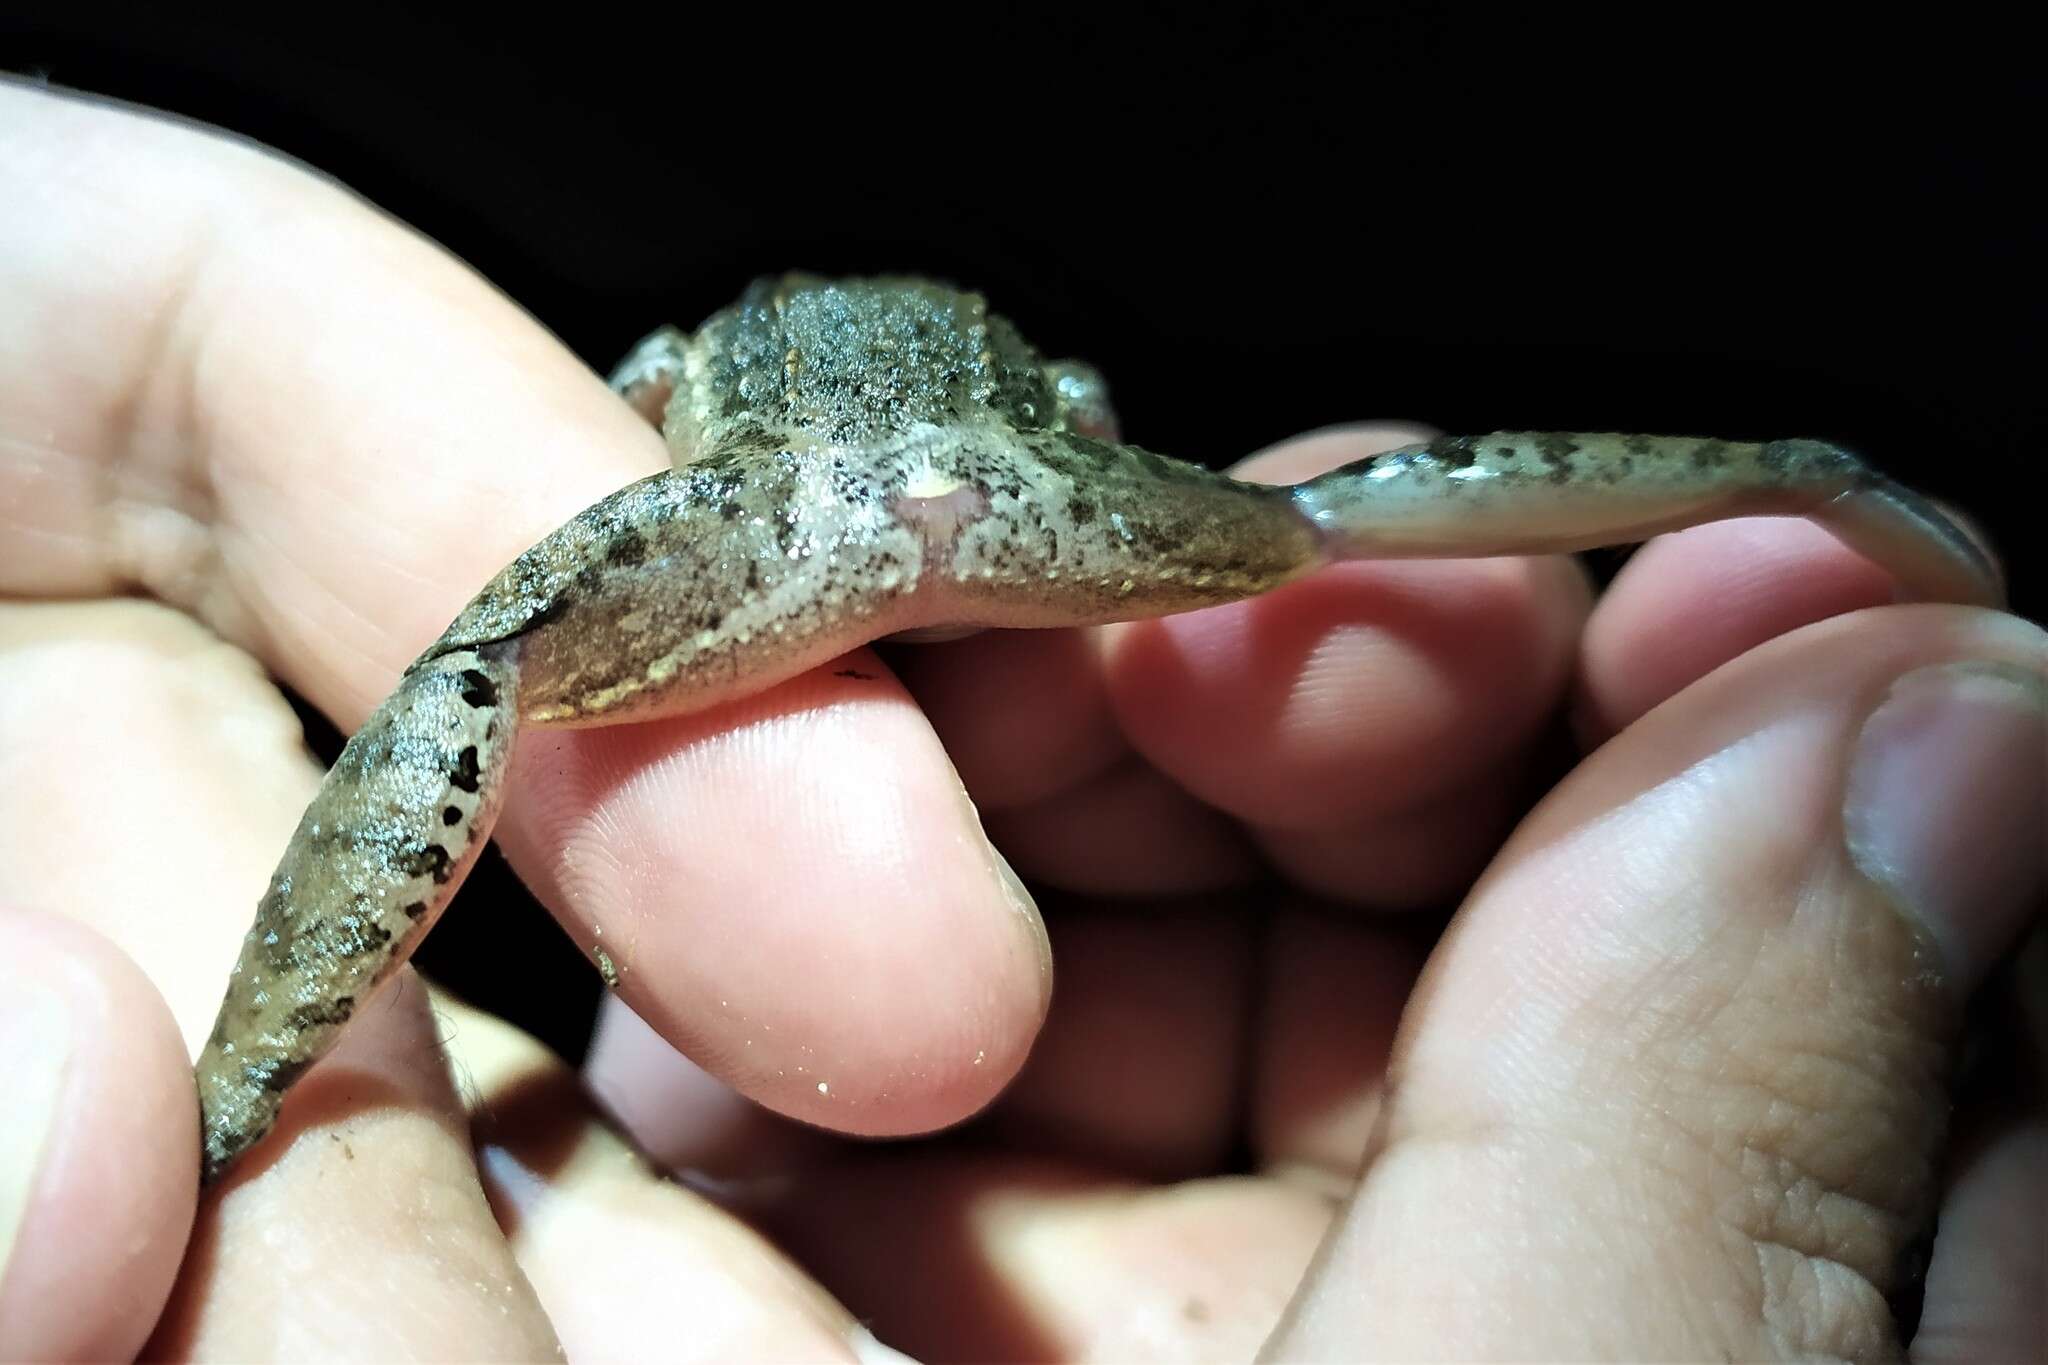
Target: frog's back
<point x="849" y="362"/>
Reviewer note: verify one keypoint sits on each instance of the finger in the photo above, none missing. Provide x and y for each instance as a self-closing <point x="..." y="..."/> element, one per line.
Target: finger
<point x="1142" y="1063"/>
<point x="681" y="1116"/>
<point x="1991" y="1247"/>
<point x="1441" y="668"/>
<point x="1181" y="1030"/>
<point x="98" y="1145"/>
<point x="1419" y="858"/>
<point x="152" y="774"/>
<point x="619" y="1255"/>
<point x="1688" y="602"/>
<point x="1331" y="991"/>
<point x="375" y="429"/>
<point x="776" y="910"/>
<point x="1674" y="1084"/>
<point x="1022" y="712"/>
<point x="975" y="1255"/>
<point x="148" y="857"/>
<point x="1323" y="715"/>
<point x="311" y="355"/>
<point x="1129" y="832"/>
<point x="1025" y="714"/>
<point x="393" y="1251"/>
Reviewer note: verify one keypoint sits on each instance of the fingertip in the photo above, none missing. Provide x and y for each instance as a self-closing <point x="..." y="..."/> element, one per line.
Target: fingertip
<point x="99" y="1149"/>
<point x="1688" y="602"/>
<point x="796" y="892"/>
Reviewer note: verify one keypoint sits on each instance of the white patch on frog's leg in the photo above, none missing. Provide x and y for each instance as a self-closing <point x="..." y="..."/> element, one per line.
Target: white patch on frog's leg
<point x="938" y="507"/>
<point x="1549" y="493"/>
<point x="389" y="836"/>
<point x="648" y="376"/>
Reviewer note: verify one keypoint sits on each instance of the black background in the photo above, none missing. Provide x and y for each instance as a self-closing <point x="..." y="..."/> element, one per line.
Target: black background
<point x="1256" y="221"/>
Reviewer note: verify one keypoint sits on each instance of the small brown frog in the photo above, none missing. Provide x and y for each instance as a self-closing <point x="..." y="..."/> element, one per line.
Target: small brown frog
<point x="867" y="458"/>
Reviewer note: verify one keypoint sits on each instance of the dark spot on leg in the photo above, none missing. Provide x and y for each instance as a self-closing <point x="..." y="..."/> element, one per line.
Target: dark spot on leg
<point x="416" y="909"/>
<point x="451" y="815"/>
<point x="1556" y="451"/>
<point x="1710" y="454"/>
<point x="430" y="861"/>
<point x="1459" y="452"/>
<point x="466" y="771"/>
<point x="477" y="689"/>
<point x="275" y="1076"/>
<point x="628" y="548"/>
<point x="319" y="1014"/>
<point x="356" y="936"/>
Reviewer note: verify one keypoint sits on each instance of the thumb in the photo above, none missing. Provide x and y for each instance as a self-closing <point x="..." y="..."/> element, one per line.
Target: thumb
<point x="1675" y="1084"/>
<point x="99" y="1145"/>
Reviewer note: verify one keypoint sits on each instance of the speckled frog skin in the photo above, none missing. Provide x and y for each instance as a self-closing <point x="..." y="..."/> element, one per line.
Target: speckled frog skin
<point x="865" y="458"/>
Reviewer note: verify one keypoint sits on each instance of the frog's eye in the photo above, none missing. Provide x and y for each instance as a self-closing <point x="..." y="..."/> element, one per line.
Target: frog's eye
<point x="1082" y="398"/>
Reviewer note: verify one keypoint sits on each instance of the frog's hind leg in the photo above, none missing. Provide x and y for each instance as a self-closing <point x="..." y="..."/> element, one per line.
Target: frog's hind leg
<point x="1540" y="493"/>
<point x="391" y="832"/>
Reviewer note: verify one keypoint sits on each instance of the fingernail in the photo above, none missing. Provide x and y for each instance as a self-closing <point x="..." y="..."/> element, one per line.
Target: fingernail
<point x="35" y="1045"/>
<point x="1947" y="804"/>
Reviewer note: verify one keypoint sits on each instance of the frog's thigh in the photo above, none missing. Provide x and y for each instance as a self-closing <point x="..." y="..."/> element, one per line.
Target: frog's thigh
<point x="649" y="373"/>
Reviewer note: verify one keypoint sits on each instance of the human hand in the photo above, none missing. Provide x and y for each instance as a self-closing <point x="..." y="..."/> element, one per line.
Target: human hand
<point x="190" y="402"/>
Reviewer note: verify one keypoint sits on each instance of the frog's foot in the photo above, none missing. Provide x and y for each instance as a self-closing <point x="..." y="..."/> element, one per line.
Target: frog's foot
<point x="1549" y="493"/>
<point x="647" y="377"/>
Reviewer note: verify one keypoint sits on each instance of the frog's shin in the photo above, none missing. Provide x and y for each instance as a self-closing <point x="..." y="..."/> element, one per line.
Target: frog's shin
<point x="1556" y="492"/>
<point x="395" y="826"/>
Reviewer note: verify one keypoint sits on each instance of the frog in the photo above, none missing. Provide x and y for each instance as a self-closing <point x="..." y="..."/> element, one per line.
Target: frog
<point x="868" y="458"/>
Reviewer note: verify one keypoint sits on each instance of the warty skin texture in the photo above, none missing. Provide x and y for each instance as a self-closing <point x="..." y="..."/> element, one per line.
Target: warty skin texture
<point x="861" y="459"/>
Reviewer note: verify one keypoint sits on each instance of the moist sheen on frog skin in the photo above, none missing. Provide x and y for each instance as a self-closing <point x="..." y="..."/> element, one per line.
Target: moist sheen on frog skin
<point x="855" y="459"/>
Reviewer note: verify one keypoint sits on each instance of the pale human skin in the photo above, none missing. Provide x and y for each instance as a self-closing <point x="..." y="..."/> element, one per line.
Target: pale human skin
<point x="1534" y="1159"/>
